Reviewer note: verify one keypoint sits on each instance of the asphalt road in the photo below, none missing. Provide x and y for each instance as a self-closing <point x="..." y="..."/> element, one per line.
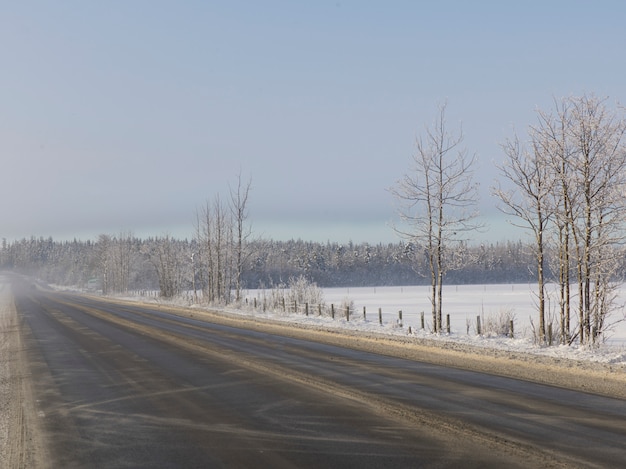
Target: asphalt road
<point x="137" y="386"/>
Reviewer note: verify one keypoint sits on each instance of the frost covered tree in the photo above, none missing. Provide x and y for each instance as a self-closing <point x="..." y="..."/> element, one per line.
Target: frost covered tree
<point x="597" y="162"/>
<point x="529" y="200"/>
<point x="551" y="135"/>
<point x="572" y="184"/>
<point x="437" y="202"/>
<point x="122" y="256"/>
<point x="239" y="212"/>
<point x="104" y="262"/>
<point x="115" y="261"/>
<point x="215" y="234"/>
<point x="222" y="246"/>
<point x="167" y="261"/>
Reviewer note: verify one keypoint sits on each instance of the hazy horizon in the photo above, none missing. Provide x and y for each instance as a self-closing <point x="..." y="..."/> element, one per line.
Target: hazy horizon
<point x="128" y="116"/>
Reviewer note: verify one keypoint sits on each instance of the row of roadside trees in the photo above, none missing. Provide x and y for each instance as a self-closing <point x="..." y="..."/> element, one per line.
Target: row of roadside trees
<point x="565" y="183"/>
<point x="213" y="263"/>
<point x="222" y="234"/>
<point x="570" y="181"/>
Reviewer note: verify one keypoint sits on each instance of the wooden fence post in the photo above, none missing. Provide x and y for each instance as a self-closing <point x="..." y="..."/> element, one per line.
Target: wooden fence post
<point x="332" y="311"/>
<point x="306" y="309"/>
<point x="448" y="323"/>
<point x="400" y="318"/>
<point x="380" y="316"/>
<point x="363" y="313"/>
<point x="478" y="325"/>
<point x="511" y="334"/>
<point x="348" y="313"/>
<point x="423" y="327"/>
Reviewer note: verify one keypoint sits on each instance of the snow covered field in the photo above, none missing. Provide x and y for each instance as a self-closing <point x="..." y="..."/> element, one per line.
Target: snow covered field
<point x="464" y="303"/>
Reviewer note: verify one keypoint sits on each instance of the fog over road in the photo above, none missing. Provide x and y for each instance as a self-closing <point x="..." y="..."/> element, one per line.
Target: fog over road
<point x="124" y="385"/>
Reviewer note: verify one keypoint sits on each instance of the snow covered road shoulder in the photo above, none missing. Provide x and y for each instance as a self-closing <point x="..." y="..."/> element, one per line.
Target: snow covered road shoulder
<point x="20" y="444"/>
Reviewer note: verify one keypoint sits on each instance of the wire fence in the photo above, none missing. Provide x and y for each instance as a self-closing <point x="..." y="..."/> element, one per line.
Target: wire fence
<point x="278" y="304"/>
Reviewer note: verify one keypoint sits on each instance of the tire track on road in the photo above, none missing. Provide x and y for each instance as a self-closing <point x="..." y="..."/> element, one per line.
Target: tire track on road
<point x="450" y="430"/>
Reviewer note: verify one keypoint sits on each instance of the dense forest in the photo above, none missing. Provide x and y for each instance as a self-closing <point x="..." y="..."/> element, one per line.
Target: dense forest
<point x="122" y="263"/>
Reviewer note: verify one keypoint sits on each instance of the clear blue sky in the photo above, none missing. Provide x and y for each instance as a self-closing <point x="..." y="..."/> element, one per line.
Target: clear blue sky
<point x="129" y="115"/>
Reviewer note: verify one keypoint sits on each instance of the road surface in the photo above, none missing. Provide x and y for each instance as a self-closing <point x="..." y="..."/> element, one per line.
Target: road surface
<point x="126" y="385"/>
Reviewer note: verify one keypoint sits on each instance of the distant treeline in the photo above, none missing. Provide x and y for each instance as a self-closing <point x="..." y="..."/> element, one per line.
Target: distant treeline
<point x="363" y="264"/>
<point x="122" y="263"/>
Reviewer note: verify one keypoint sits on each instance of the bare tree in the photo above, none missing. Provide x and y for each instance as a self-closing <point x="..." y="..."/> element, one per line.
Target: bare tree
<point x="215" y="239"/>
<point x="599" y="168"/>
<point x="573" y="182"/>
<point x="167" y="263"/>
<point x="221" y="242"/>
<point x="529" y="201"/>
<point x="103" y="256"/>
<point x="550" y="134"/>
<point x="438" y="199"/>
<point x="123" y="258"/>
<point x="239" y="211"/>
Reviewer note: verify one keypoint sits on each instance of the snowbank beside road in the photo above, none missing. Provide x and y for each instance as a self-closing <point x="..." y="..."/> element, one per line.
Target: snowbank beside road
<point x="608" y="354"/>
<point x="464" y="303"/>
